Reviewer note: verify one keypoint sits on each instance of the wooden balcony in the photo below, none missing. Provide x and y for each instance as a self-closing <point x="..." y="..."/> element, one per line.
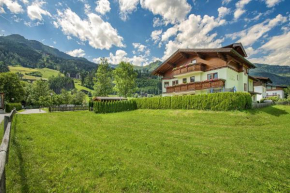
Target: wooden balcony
<point x="196" y="86"/>
<point x="189" y="68"/>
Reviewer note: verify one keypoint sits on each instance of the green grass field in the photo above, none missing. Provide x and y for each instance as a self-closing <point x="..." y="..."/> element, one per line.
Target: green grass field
<point x="46" y="72"/>
<point x="151" y="151"/>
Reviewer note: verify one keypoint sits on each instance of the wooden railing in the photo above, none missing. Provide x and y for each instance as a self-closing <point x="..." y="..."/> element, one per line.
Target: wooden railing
<point x="196" y="86"/>
<point x="189" y="68"/>
<point x="4" y="150"/>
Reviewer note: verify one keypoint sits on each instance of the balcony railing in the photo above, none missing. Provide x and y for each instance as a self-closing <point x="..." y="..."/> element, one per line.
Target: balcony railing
<point x="189" y="68"/>
<point x="196" y="86"/>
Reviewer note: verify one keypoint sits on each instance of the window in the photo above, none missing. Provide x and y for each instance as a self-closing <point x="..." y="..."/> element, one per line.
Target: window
<point x="209" y="76"/>
<point x="215" y="75"/>
<point x="245" y="87"/>
<point x="175" y="82"/>
<point x="212" y="76"/>
<point x="192" y="79"/>
<point x="166" y="84"/>
<point x="193" y="61"/>
<point x="184" y="80"/>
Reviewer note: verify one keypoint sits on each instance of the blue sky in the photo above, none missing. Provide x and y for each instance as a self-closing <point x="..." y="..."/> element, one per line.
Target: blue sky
<point x="141" y="31"/>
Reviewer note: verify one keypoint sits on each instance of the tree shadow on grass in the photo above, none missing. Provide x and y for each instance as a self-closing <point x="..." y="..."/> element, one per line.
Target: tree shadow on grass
<point x="272" y="110"/>
<point x="17" y="146"/>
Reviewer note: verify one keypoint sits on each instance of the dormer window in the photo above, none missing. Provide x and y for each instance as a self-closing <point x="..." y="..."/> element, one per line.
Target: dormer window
<point x="193" y="61"/>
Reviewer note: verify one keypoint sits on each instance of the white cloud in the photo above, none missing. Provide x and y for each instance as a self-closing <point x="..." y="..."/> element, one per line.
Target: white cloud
<point x="77" y="53"/>
<point x="172" y="11"/>
<point x="225" y="2"/>
<point x="87" y="8"/>
<point x="127" y="7"/>
<point x="272" y="3"/>
<point x="103" y="6"/>
<point x="140" y="47"/>
<point x="2" y="10"/>
<point x="13" y="6"/>
<point x="157" y="22"/>
<point x="195" y="32"/>
<point x="121" y="55"/>
<point x="223" y="11"/>
<point x="25" y="1"/>
<point x="169" y="32"/>
<point x="35" y="11"/>
<point x="240" y="8"/>
<point x="98" y="33"/>
<point x="155" y="35"/>
<point x="277" y="51"/>
<point x="252" y="34"/>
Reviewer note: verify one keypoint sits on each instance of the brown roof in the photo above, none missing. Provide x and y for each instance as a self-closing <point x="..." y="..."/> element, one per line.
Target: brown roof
<point x="238" y="47"/>
<point x="263" y="79"/>
<point x="253" y="78"/>
<point x="180" y="53"/>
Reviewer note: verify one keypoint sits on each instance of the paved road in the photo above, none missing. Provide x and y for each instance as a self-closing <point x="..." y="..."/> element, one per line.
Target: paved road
<point x="2" y="117"/>
<point x="27" y="111"/>
<point x="32" y="111"/>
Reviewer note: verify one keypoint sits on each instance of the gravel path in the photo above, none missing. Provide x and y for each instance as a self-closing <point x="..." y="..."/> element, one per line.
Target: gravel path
<point x="32" y="111"/>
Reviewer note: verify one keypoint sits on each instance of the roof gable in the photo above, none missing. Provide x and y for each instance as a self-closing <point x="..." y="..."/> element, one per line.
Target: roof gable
<point x="238" y="47"/>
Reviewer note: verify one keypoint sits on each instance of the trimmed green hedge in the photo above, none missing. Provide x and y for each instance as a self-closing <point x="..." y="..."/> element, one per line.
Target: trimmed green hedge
<point x="10" y="106"/>
<point x="215" y="101"/>
<point x="113" y="107"/>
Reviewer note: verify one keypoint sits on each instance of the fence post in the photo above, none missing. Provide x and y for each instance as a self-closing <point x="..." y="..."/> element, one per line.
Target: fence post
<point x="3" y="182"/>
<point x="6" y="120"/>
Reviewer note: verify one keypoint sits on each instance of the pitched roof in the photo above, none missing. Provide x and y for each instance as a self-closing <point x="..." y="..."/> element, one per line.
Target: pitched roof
<point x="178" y="54"/>
<point x="238" y="47"/>
<point x="263" y="79"/>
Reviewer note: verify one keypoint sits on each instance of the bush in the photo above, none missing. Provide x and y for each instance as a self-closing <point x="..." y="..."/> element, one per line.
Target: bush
<point x="215" y="102"/>
<point x="113" y="107"/>
<point x="273" y="98"/>
<point x="11" y="106"/>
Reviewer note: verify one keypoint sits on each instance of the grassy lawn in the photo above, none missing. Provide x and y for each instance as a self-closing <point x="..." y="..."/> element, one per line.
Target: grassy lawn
<point x="151" y="151"/>
<point x="46" y="72"/>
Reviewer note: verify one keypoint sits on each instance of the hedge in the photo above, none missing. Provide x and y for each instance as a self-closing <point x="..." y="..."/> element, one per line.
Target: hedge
<point x="11" y="106"/>
<point x="113" y="107"/>
<point x="214" y="101"/>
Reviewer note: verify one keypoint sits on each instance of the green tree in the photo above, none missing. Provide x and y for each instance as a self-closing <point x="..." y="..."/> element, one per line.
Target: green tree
<point x="78" y="98"/>
<point x="287" y="92"/>
<point x="66" y="97"/>
<point x="103" y="85"/>
<point x="11" y="86"/>
<point x="3" y="67"/>
<point x="125" y="77"/>
<point x="40" y="93"/>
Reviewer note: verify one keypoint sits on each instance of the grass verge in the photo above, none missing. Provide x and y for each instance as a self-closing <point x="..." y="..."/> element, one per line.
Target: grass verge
<point x="151" y="151"/>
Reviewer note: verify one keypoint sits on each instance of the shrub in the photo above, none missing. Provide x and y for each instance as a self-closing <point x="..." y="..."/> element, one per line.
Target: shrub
<point x="273" y="98"/>
<point x="11" y="106"/>
<point x="113" y="107"/>
<point x="215" y="101"/>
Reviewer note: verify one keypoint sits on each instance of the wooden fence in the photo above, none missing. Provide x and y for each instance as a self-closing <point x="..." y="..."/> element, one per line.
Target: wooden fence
<point x="68" y="108"/>
<point x="261" y="105"/>
<point x="4" y="149"/>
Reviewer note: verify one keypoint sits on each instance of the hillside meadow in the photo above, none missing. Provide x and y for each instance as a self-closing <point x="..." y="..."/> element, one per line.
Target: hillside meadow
<point x="151" y="151"/>
<point x="46" y="72"/>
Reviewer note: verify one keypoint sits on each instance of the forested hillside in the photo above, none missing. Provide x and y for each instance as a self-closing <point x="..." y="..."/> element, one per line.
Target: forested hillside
<point x="16" y="50"/>
<point x="280" y="75"/>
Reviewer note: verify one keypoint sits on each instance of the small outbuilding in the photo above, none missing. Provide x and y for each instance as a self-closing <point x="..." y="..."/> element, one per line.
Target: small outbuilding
<point x="109" y="99"/>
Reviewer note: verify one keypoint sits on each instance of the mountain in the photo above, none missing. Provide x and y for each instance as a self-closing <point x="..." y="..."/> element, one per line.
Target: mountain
<point x="16" y="50"/>
<point x="152" y="66"/>
<point x="280" y="75"/>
